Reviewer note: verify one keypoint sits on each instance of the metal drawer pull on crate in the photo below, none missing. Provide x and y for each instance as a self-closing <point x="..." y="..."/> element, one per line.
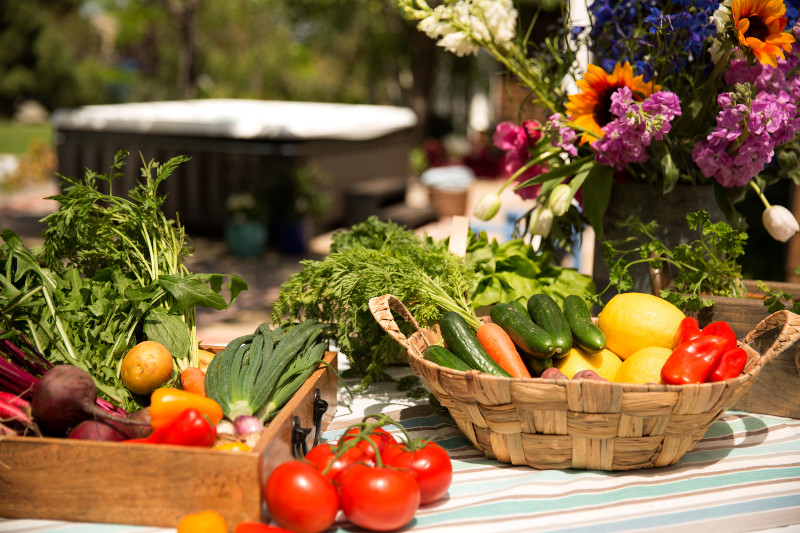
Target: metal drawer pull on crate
<point x="300" y="434"/>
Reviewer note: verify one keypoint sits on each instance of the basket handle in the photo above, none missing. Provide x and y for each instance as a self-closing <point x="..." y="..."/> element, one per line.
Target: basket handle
<point x="381" y="308"/>
<point x="789" y="333"/>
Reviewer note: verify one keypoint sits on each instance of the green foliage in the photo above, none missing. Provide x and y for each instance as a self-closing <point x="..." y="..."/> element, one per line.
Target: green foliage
<point x="705" y="266"/>
<point x="371" y="259"/>
<point x="514" y="271"/>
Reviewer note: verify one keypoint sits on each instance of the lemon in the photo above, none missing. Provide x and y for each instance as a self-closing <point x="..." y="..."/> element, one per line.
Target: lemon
<point x="643" y="366"/>
<point x="635" y="320"/>
<point x="604" y="362"/>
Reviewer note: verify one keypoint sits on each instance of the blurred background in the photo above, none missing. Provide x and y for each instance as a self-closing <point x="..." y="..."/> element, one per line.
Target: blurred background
<point x="65" y="54"/>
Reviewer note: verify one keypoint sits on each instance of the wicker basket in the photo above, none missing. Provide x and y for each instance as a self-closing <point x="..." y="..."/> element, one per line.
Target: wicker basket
<point x="595" y="425"/>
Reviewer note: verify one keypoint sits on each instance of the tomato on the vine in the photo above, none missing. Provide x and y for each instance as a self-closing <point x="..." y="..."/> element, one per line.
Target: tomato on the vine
<point x="300" y="498"/>
<point x="379" y="498"/>
<point x="432" y="468"/>
<point x="379" y="436"/>
<point x="324" y="454"/>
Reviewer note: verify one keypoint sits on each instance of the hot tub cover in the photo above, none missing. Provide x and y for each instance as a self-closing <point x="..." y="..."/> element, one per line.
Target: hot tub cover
<point x="241" y="119"/>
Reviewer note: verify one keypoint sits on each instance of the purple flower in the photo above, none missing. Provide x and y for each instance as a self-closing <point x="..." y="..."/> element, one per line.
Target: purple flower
<point x="627" y="137"/>
<point x="561" y="135"/>
<point x="745" y="138"/>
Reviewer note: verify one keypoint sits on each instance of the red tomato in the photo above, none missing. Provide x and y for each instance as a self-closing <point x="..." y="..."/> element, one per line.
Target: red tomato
<point x="431" y="466"/>
<point x="379" y="436"/>
<point x="324" y="454"/>
<point x="722" y="329"/>
<point x="257" y="527"/>
<point x="379" y="499"/>
<point x="392" y="450"/>
<point x="300" y="498"/>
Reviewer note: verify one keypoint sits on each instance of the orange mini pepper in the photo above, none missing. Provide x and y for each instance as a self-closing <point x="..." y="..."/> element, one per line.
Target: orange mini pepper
<point x="203" y="522"/>
<point x="167" y="403"/>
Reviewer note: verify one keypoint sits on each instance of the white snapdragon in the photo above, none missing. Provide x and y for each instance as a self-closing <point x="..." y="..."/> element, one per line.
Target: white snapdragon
<point x="463" y="25"/>
<point x="458" y="43"/>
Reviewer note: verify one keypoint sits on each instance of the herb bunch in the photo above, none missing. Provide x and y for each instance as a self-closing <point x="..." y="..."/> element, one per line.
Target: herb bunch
<point x="705" y="266"/>
<point x="371" y="259"/>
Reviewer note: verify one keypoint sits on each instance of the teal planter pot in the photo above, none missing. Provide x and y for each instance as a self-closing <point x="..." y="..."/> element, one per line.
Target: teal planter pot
<point x="246" y="239"/>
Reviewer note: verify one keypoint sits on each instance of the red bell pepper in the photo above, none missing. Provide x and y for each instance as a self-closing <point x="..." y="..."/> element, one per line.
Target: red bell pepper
<point x="730" y="365"/>
<point x="190" y="428"/>
<point x="694" y="360"/>
<point x="687" y="330"/>
<point x="722" y="329"/>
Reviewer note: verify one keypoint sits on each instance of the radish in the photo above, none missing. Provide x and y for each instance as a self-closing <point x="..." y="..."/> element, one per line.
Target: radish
<point x="64" y="397"/>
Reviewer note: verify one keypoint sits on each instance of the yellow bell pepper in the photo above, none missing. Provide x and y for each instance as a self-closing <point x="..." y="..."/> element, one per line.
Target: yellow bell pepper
<point x="167" y="403"/>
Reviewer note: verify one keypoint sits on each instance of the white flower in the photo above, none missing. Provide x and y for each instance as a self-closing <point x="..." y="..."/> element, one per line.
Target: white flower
<point x="560" y="199"/>
<point x="488" y="207"/>
<point x="780" y="222"/>
<point x="541" y="221"/>
<point x="459" y="44"/>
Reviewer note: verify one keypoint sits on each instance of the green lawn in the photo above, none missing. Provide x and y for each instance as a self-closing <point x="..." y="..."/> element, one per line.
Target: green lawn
<point x="15" y="137"/>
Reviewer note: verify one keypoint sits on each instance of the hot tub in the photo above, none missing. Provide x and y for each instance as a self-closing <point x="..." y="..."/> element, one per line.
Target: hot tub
<point x="234" y="143"/>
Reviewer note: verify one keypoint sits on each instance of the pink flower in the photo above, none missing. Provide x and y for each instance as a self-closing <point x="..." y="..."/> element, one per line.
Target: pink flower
<point x="517" y="141"/>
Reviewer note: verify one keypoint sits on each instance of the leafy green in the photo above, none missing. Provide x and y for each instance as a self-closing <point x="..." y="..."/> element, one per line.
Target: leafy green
<point x="512" y="270"/>
<point x="110" y="273"/>
<point x="371" y="259"/>
<point x="705" y="266"/>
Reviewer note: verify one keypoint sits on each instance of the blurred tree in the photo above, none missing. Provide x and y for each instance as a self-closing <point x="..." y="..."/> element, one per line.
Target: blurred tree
<point x="37" y="59"/>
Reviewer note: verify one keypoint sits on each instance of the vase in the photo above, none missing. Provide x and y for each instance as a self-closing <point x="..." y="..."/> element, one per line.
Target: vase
<point x="649" y="203"/>
<point x="245" y="239"/>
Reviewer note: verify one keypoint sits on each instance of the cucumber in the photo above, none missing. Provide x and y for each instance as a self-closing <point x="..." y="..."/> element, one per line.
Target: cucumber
<point x="444" y="357"/>
<point x="587" y="335"/>
<point x="516" y="304"/>
<point x="537" y="366"/>
<point x="464" y="344"/>
<point x="546" y="314"/>
<point x="528" y="337"/>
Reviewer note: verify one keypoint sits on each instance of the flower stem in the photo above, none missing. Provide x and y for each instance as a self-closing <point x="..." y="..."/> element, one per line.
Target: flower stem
<point x="760" y="194"/>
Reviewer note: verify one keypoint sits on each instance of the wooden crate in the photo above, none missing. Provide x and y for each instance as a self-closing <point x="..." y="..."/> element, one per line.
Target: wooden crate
<point x="105" y="482"/>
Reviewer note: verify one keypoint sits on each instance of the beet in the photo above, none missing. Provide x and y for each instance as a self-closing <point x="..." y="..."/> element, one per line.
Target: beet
<point x="64" y="397"/>
<point x="101" y="430"/>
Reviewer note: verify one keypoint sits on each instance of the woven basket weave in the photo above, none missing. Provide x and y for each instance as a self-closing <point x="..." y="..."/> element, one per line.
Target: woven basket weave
<point x="584" y="424"/>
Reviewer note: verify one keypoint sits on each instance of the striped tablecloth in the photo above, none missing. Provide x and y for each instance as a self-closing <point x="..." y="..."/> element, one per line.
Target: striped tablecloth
<point x="744" y="475"/>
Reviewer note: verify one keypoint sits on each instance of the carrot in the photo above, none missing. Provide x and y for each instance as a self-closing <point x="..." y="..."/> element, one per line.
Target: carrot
<point x="501" y="348"/>
<point x="193" y="380"/>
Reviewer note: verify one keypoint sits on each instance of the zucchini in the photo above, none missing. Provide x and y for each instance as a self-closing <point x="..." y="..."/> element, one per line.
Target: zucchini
<point x="444" y="357"/>
<point x="546" y="314"/>
<point x="586" y="333"/>
<point x="528" y="337"/>
<point x="464" y="344"/>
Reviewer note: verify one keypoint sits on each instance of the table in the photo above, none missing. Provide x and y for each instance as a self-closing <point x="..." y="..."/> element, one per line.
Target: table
<point x="744" y="475"/>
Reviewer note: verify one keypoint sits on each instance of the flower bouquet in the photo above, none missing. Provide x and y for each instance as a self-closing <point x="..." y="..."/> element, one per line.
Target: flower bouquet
<point x="660" y="92"/>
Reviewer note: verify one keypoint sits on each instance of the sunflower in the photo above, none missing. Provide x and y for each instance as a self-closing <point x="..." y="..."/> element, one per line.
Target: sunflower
<point x="759" y="26"/>
<point x="590" y="109"/>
